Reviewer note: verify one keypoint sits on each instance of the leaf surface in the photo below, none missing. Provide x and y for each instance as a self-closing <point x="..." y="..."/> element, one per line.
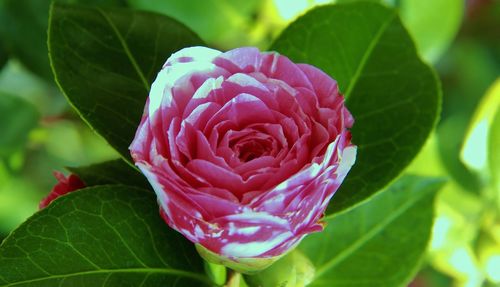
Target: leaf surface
<point x="111" y="172"/>
<point x="99" y="236"/>
<point x="378" y="243"/>
<point x="105" y="60"/>
<point x="393" y="96"/>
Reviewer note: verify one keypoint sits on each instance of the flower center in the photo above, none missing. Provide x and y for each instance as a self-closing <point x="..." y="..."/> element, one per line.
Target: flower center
<point x="251" y="149"/>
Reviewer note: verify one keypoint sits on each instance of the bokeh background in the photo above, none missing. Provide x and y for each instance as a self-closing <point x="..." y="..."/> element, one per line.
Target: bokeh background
<point x="40" y="133"/>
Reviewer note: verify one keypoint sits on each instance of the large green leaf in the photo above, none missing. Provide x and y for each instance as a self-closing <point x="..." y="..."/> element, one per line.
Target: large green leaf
<point x="379" y="243"/>
<point x="110" y="172"/>
<point x="393" y="96"/>
<point x="17" y="119"/>
<point x="23" y="28"/>
<point x="100" y="236"/>
<point x="104" y="61"/>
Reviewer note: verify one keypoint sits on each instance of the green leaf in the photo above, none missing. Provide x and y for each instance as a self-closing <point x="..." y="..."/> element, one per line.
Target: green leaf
<point x="393" y="96"/>
<point x="3" y="56"/>
<point x="99" y="236"/>
<point x="111" y="172"/>
<point x="450" y="135"/>
<point x="104" y="61"/>
<point x="378" y="243"/>
<point x="23" y="27"/>
<point x="474" y="152"/>
<point x="17" y="119"/>
<point x="494" y="154"/>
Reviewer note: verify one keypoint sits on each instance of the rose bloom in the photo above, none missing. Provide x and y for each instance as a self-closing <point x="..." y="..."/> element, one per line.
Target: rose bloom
<point x="244" y="150"/>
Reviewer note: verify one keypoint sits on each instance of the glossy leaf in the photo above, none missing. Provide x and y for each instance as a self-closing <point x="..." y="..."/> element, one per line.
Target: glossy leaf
<point x="111" y="172"/>
<point x="104" y="61"/>
<point x="17" y="118"/>
<point x="393" y="96"/>
<point x="378" y="243"/>
<point x="23" y="27"/>
<point x="100" y="236"/>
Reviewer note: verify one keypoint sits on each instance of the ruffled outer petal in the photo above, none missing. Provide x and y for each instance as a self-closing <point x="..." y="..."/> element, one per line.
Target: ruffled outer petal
<point x="204" y="109"/>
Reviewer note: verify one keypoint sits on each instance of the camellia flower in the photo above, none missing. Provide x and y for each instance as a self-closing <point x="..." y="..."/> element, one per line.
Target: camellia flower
<point x="64" y="185"/>
<point x="244" y="151"/>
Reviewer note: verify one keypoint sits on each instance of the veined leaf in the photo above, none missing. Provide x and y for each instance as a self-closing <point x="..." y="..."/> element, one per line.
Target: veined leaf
<point x="378" y="243"/>
<point x="100" y="236"/>
<point x="105" y="60"/>
<point x="393" y="96"/>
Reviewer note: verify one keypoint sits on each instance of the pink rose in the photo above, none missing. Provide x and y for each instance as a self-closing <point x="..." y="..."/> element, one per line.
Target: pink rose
<point x="244" y="150"/>
<point x="64" y="185"/>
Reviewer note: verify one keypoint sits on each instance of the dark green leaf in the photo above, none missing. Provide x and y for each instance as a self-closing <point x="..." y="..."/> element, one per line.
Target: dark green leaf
<point x="111" y="172"/>
<point x="378" y="243"/>
<point x="17" y="119"/>
<point x="99" y="236"/>
<point x="3" y="56"/>
<point x="105" y="60"/>
<point x="23" y="27"/>
<point x="393" y="96"/>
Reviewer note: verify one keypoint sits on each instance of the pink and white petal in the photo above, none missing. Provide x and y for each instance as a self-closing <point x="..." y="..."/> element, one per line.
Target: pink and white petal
<point x="245" y="59"/>
<point x="280" y="67"/>
<point x="324" y="86"/>
<point x="243" y="110"/>
<point x="192" y="54"/>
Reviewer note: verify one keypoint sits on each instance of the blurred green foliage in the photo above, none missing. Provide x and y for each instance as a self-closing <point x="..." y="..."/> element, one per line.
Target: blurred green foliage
<point x="40" y="133"/>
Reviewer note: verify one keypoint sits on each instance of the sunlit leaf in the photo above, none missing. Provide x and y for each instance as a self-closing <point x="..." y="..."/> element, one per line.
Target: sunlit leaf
<point x="494" y="154"/>
<point x="475" y="148"/>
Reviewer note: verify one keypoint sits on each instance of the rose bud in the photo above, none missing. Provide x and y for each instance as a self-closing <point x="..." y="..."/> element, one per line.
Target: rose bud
<point x="64" y="185"/>
<point x="244" y="150"/>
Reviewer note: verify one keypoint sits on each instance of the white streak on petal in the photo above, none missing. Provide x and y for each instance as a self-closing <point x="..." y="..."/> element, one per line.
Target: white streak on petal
<point x="209" y="85"/>
<point x="256" y="248"/>
<point x="202" y="61"/>
<point x="198" y="53"/>
<point x="347" y="160"/>
<point x="245" y="80"/>
<point x="199" y="232"/>
<point x="257" y="217"/>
